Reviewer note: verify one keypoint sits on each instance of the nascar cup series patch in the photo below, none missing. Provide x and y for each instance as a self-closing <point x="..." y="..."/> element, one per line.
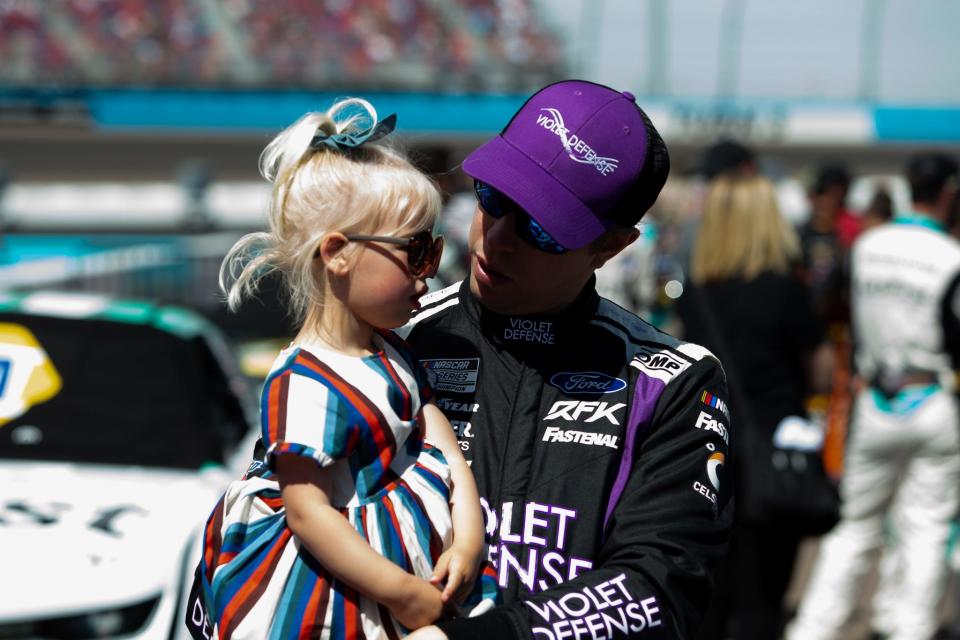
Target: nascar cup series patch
<point x="27" y="376"/>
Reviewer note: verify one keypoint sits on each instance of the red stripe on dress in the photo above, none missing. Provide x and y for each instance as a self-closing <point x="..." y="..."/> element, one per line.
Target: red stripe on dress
<point x="316" y="610"/>
<point x="243" y="601"/>
<point x="277" y="408"/>
<point x="213" y="541"/>
<point x="351" y="615"/>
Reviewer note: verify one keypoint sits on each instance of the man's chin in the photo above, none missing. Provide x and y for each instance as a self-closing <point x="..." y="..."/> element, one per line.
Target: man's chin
<point x="496" y="298"/>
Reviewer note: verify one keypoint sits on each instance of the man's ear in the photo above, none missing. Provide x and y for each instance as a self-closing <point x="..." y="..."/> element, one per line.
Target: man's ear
<point x="330" y="252"/>
<point x="612" y="243"/>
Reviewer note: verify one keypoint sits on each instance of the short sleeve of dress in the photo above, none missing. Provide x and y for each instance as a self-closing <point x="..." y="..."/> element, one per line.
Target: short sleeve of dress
<point x="307" y="416"/>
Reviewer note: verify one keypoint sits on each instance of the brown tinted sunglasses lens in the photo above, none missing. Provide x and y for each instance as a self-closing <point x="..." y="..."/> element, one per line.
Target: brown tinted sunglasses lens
<point x="423" y="254"/>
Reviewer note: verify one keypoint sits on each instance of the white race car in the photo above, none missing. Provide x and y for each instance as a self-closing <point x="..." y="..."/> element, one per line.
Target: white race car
<point x="121" y="423"/>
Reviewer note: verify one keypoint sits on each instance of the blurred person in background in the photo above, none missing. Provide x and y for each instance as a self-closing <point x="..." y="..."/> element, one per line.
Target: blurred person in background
<point x="746" y="303"/>
<point x="825" y="239"/>
<point x="879" y="210"/>
<point x="724" y="157"/>
<point x="903" y="453"/>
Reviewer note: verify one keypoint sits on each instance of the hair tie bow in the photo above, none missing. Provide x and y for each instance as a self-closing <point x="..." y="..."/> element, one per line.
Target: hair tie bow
<point x="353" y="139"/>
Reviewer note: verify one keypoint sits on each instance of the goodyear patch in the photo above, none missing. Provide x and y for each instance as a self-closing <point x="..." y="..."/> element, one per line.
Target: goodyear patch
<point x="27" y="375"/>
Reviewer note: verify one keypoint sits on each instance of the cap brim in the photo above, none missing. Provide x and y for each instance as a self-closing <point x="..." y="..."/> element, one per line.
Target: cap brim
<point x="568" y="220"/>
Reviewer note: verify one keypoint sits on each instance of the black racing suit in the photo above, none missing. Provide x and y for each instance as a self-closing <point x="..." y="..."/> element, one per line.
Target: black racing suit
<point x="598" y="444"/>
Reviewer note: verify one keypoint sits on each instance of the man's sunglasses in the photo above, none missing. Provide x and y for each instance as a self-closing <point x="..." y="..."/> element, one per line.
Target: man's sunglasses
<point x="498" y="205"/>
<point x="423" y="251"/>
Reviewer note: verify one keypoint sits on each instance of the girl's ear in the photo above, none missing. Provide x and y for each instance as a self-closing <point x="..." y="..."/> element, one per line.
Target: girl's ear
<point x="331" y="253"/>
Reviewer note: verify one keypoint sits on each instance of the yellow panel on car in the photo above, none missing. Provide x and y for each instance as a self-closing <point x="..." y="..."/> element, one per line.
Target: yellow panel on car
<point x="27" y="376"/>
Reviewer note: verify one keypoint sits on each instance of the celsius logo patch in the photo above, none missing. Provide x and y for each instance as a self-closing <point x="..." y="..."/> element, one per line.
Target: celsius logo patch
<point x="459" y="376"/>
<point x="714" y="462"/>
<point x="586" y="382"/>
<point x="714" y="465"/>
<point x="27" y="376"/>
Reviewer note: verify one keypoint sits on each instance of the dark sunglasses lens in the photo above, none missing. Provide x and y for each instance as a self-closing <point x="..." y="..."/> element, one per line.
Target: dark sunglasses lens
<point x="496" y="204"/>
<point x="531" y="231"/>
<point x="489" y="199"/>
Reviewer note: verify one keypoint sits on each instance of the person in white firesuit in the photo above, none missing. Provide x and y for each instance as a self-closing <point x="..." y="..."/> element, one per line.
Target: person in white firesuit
<point x="903" y="453"/>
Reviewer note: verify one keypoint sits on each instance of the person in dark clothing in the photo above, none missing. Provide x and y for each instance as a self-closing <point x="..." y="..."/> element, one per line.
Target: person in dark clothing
<point x="746" y="305"/>
<point x="825" y="241"/>
<point x="598" y="442"/>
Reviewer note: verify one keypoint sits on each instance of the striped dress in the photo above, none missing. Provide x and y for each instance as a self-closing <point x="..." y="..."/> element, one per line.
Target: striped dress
<point x="358" y="416"/>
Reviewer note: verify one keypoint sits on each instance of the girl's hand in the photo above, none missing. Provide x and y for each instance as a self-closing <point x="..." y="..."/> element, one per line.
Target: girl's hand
<point x="456" y="570"/>
<point x="419" y="605"/>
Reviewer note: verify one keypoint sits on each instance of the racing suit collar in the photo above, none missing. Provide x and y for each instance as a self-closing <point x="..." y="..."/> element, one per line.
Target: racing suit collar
<point x="532" y="331"/>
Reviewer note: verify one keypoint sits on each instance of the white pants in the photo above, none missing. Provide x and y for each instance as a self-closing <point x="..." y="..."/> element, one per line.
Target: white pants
<point x="911" y="463"/>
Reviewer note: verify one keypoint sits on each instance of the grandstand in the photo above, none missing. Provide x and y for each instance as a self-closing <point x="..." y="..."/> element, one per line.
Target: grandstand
<point x="400" y="44"/>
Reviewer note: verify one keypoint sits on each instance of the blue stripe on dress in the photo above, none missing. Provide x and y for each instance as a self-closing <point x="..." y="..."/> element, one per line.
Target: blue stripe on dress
<point x="421" y="524"/>
<point x="395" y="396"/>
<point x="393" y="549"/>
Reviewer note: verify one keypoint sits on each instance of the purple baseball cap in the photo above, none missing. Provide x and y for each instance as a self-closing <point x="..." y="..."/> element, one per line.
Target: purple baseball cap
<point x="578" y="157"/>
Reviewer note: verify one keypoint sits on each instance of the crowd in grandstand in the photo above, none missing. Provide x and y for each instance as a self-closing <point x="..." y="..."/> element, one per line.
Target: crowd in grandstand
<point x="424" y="44"/>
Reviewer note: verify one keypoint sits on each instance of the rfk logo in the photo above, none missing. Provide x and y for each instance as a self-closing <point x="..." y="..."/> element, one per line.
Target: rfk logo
<point x="571" y="410"/>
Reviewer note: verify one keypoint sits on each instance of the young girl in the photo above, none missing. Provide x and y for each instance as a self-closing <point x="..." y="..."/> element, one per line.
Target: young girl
<point x="362" y="519"/>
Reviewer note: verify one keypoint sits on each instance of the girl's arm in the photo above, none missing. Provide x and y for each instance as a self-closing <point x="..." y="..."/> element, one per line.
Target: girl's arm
<point x="458" y="565"/>
<point x="332" y="540"/>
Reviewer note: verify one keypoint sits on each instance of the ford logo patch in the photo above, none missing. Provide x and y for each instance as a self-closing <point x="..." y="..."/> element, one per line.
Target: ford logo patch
<point x="586" y="382"/>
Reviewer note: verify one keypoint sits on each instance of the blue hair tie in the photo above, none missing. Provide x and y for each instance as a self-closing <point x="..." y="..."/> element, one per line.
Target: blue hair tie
<point x="352" y="140"/>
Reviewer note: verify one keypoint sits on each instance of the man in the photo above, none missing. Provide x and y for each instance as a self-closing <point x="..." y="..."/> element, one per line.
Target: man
<point x="598" y="442"/>
<point x="904" y="448"/>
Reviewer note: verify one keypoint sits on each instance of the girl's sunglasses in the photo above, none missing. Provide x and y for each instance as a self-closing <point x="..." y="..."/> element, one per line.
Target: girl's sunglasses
<point x="498" y="205"/>
<point x="423" y="251"/>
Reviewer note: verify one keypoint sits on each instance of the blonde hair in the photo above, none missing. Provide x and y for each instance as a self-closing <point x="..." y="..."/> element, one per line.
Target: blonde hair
<point x="742" y="233"/>
<point x="319" y="189"/>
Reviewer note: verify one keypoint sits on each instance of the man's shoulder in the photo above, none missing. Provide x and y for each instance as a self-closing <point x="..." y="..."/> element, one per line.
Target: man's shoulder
<point x="654" y="353"/>
<point x="433" y="305"/>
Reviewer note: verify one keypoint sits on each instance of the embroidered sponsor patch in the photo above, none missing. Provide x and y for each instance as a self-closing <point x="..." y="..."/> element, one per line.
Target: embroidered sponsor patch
<point x="585" y="411"/>
<point x="662" y="364"/>
<point x="586" y="382"/>
<point x="555" y="434"/>
<point x="457" y="375"/>
<point x="711" y="400"/>
<point x="707" y="422"/>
